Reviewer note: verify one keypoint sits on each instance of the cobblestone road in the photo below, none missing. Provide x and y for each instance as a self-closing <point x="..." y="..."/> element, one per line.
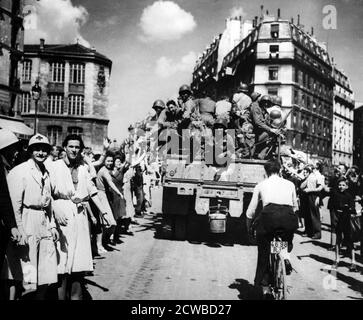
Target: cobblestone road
<point x="144" y="267"/>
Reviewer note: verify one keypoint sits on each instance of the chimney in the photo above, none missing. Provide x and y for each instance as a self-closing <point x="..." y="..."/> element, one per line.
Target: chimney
<point x="42" y="44"/>
<point x="292" y="20"/>
<point x="312" y="31"/>
<point x="278" y="14"/>
<point x="261" y="16"/>
<point x="298" y="20"/>
<point x="266" y="12"/>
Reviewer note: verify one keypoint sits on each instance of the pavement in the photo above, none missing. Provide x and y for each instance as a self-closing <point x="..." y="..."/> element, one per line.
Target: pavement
<point x="144" y="267"/>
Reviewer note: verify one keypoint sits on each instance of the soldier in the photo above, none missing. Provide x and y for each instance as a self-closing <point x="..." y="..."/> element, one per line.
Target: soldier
<point x="207" y="110"/>
<point x="241" y="102"/>
<point x="187" y="104"/>
<point x="158" y="106"/>
<point x="262" y="128"/>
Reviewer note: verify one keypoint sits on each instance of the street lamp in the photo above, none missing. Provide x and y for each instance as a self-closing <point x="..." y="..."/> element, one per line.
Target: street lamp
<point x="36" y="92"/>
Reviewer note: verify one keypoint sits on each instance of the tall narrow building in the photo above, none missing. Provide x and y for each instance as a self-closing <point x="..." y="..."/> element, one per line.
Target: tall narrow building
<point x="11" y="52"/>
<point x="343" y="119"/>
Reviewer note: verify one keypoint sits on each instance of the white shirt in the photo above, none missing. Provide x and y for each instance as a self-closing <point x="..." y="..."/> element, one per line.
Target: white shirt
<point x="273" y="190"/>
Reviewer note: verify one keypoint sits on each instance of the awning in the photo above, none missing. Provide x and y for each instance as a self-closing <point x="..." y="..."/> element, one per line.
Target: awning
<point x="18" y="127"/>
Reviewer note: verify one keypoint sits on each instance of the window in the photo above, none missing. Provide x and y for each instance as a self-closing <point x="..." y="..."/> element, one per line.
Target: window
<point x="27" y="71"/>
<point x="296" y="96"/>
<point x="55" y="104"/>
<point x="54" y="134"/>
<point x="76" y="105"/>
<point x="25" y="102"/>
<point x="296" y="75"/>
<point x="57" y="70"/>
<point x="75" y="130"/>
<point x="274" y="51"/>
<point x="77" y="73"/>
<point x="273" y="73"/>
<point x="272" y="91"/>
<point x="275" y="30"/>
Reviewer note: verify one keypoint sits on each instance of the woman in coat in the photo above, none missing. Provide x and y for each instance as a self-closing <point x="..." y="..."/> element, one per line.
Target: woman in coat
<point x="30" y="191"/>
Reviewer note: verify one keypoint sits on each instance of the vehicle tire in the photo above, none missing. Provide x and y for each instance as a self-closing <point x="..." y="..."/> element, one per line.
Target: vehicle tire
<point x="180" y="227"/>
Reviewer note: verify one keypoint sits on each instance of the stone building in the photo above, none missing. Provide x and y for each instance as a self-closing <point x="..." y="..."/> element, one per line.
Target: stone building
<point x="75" y="91"/>
<point x="358" y="135"/>
<point x="342" y="119"/>
<point x="279" y="58"/>
<point x="11" y="52"/>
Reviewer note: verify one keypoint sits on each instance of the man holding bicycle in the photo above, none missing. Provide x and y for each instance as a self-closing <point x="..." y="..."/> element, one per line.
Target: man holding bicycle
<point x="279" y="203"/>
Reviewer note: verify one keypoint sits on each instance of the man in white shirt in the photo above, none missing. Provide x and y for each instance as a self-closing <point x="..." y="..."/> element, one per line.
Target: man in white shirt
<point x="279" y="204"/>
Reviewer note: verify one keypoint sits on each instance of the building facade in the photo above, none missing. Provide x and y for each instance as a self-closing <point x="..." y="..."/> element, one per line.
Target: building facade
<point x="279" y="58"/>
<point x="11" y="52"/>
<point x="358" y="135"/>
<point x="75" y="90"/>
<point x="343" y="119"/>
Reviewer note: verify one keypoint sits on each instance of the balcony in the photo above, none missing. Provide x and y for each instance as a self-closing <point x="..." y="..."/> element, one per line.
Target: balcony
<point x="343" y="97"/>
<point x="55" y="87"/>
<point x="76" y="88"/>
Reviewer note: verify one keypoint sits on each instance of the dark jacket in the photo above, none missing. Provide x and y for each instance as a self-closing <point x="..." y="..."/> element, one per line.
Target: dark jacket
<point x="343" y="201"/>
<point x="6" y="209"/>
<point x="260" y="119"/>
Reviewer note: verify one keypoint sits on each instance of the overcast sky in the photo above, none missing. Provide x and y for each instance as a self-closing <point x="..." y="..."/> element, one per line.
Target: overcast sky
<point x="154" y="44"/>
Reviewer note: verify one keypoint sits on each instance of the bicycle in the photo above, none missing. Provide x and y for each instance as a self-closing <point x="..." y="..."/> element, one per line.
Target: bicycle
<point x="277" y="268"/>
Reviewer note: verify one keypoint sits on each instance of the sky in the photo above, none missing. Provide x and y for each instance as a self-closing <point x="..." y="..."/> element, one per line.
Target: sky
<point x="154" y="44"/>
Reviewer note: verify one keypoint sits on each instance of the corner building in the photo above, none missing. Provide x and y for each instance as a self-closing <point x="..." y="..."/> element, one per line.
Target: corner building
<point x="75" y="92"/>
<point x="279" y="58"/>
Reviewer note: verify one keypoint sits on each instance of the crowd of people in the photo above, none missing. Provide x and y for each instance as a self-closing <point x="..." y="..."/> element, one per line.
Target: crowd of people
<point x="63" y="205"/>
<point x="342" y="186"/>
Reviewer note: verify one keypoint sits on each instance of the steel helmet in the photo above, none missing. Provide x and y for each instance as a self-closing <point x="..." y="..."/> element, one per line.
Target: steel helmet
<point x="159" y="104"/>
<point x="243" y="87"/>
<point x="184" y="88"/>
<point x="7" y="138"/>
<point x="39" y="139"/>
<point x="266" y="99"/>
<point x="275" y="112"/>
<point x="255" y="96"/>
<point x="278" y="101"/>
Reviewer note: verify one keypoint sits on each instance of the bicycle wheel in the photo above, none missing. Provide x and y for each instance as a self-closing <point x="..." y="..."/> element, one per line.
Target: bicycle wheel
<point x="280" y="279"/>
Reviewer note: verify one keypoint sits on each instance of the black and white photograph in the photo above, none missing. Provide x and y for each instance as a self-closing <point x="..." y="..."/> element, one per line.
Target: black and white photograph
<point x="181" y="156"/>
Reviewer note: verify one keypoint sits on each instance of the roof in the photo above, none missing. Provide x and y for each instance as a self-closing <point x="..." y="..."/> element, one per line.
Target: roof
<point x="74" y="50"/>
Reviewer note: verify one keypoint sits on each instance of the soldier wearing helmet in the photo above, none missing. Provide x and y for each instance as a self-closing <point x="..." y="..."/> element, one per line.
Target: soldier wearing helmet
<point x="187" y="105"/>
<point x="30" y="191"/>
<point x="152" y="122"/>
<point x="158" y="106"/>
<point x="241" y="101"/>
<point x="261" y="121"/>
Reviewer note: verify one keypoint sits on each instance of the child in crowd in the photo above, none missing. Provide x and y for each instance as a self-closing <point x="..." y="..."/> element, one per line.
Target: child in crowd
<point x="343" y="205"/>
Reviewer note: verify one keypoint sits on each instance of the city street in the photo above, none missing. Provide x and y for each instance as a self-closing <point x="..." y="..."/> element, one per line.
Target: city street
<point x="143" y="268"/>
